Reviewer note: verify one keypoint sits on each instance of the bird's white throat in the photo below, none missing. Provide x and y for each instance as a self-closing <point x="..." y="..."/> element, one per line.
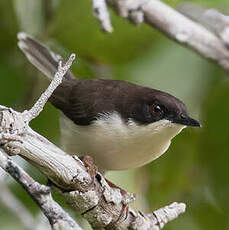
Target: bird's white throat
<point x="115" y="144"/>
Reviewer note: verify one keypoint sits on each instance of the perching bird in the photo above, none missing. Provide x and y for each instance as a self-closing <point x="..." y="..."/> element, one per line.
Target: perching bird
<point x="120" y="124"/>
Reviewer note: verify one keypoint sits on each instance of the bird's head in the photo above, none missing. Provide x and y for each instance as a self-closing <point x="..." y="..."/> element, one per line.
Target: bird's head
<point x="154" y="105"/>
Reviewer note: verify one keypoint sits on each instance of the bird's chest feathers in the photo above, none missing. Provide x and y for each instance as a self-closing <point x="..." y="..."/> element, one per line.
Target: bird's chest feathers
<point x="115" y="144"/>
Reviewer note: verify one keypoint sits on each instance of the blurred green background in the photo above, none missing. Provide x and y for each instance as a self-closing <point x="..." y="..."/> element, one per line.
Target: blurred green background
<point x="195" y="169"/>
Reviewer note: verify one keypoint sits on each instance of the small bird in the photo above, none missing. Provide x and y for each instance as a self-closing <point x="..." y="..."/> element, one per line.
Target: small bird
<point x="119" y="124"/>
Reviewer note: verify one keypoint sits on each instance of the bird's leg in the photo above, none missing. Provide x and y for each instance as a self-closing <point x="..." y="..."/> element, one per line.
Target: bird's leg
<point x="89" y="164"/>
<point x="93" y="169"/>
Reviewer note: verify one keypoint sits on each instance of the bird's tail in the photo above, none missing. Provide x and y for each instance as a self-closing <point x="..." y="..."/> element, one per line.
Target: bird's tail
<point x="40" y="56"/>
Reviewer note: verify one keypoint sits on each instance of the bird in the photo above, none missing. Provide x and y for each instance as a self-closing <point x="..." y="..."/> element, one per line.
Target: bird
<point x="121" y="125"/>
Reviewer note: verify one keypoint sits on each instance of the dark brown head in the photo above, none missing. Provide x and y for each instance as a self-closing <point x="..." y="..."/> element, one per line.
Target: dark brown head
<point x="154" y="105"/>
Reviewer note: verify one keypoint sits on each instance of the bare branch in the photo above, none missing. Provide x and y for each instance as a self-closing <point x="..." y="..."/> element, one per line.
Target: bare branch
<point x="214" y="20"/>
<point x="57" y="217"/>
<point x="178" y="27"/>
<point x="101" y="12"/>
<point x="11" y="131"/>
<point x="14" y="205"/>
<point x="163" y="215"/>
<point x="101" y="205"/>
<point x="186" y="32"/>
<point x="39" y="105"/>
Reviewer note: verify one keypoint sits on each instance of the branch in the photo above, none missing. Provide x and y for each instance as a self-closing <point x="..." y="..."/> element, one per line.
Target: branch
<point x="14" y="205"/>
<point x="214" y="20"/>
<point x="84" y="189"/>
<point x="101" y="12"/>
<point x="177" y="27"/>
<point x="57" y="217"/>
<point x="57" y="80"/>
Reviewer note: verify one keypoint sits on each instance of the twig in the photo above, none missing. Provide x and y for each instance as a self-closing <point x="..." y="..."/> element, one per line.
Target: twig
<point x="177" y="27"/>
<point x="57" y="217"/>
<point x="214" y="20"/>
<point x="101" y="12"/>
<point x="39" y="105"/>
<point x="11" y="131"/>
<point x="161" y="216"/>
<point x="14" y="205"/>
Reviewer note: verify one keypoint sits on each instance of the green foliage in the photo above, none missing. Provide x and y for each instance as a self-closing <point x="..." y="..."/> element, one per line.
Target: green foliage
<point x="91" y="43"/>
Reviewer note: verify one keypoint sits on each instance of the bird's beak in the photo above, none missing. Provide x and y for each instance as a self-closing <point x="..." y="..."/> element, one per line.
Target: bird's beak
<point x="188" y="121"/>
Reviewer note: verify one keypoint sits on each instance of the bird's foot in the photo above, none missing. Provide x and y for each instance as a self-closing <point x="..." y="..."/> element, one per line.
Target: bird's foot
<point x="93" y="171"/>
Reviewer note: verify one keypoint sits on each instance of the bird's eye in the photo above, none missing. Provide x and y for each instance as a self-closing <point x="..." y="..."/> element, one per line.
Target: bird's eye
<point x="156" y="109"/>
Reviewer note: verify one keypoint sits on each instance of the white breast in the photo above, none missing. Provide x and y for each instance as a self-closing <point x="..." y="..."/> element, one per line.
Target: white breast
<point x="115" y="145"/>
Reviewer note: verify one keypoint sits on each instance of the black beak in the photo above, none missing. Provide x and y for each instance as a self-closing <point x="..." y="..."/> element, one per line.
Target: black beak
<point x="188" y="121"/>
